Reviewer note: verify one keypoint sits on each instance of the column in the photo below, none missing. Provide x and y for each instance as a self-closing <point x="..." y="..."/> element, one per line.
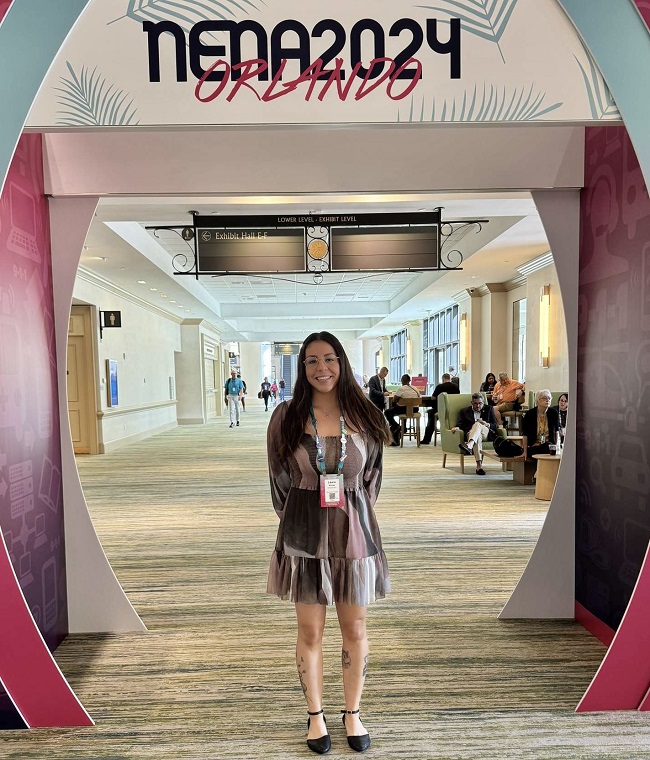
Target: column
<point x="354" y="350"/>
<point x="415" y="351"/>
<point x="252" y="370"/>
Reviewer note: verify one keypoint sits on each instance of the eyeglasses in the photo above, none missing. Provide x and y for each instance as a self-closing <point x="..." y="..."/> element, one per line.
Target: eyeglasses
<point x="329" y="361"/>
<point x="477" y="402"/>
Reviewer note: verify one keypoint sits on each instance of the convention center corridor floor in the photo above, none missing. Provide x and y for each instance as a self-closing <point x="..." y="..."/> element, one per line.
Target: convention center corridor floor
<point x="186" y="521"/>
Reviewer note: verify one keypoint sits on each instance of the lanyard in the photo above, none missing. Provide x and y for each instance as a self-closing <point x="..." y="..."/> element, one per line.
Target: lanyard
<point x="320" y="458"/>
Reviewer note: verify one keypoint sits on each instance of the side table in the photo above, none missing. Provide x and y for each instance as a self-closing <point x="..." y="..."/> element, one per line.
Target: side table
<point x="547" y="467"/>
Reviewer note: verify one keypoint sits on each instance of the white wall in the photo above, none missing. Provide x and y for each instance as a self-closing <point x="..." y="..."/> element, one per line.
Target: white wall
<point x="354" y="350"/>
<point x="189" y="377"/>
<point x="513" y="295"/>
<point x="250" y="360"/>
<point x="370" y="348"/>
<point x="144" y="349"/>
<point x="555" y="377"/>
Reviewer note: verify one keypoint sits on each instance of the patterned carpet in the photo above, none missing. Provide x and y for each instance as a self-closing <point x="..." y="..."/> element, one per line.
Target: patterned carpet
<point x="186" y="521"/>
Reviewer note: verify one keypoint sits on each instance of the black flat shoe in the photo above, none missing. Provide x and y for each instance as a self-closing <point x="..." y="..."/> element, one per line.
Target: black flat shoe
<point x="357" y="743"/>
<point x="323" y="744"/>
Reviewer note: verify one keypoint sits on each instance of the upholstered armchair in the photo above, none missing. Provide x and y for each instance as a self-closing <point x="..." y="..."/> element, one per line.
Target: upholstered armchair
<point x="449" y="405"/>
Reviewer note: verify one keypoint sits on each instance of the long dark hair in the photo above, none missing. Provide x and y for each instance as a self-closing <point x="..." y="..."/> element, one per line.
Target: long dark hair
<point x="487" y="380"/>
<point x="362" y="414"/>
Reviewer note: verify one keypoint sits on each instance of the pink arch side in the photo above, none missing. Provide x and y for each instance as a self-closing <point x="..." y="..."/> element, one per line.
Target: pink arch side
<point x="29" y="674"/>
<point x="623" y="679"/>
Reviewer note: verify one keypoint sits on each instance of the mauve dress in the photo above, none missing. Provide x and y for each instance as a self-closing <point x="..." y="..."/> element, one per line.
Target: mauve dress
<point x="333" y="554"/>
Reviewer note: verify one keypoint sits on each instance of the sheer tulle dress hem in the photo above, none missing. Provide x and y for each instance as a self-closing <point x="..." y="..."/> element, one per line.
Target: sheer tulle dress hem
<point x="312" y="580"/>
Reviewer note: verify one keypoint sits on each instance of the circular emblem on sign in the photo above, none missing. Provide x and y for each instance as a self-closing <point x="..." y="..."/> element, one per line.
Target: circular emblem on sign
<point x="205" y="235"/>
<point x="318" y="249"/>
<point x="187" y="233"/>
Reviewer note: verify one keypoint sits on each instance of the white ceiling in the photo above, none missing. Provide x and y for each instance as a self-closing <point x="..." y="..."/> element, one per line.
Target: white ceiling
<point x="288" y="307"/>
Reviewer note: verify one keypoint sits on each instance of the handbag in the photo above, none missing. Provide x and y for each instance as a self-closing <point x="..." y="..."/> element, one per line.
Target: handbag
<point x="504" y="448"/>
<point x="259" y="395"/>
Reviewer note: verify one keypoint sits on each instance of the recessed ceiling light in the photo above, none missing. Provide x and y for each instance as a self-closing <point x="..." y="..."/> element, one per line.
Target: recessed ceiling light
<point x="142" y="282"/>
<point x="180" y="305"/>
<point x="172" y="301"/>
<point x="163" y="295"/>
<point x="187" y="311"/>
<point x="154" y="289"/>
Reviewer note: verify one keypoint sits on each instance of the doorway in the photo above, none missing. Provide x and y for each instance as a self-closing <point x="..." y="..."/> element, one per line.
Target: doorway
<point x="80" y="375"/>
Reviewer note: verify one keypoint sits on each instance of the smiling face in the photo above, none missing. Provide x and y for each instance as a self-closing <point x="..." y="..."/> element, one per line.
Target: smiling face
<point x="322" y="367"/>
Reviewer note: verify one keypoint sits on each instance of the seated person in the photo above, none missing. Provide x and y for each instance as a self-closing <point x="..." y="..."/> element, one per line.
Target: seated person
<point x="479" y="424"/>
<point x="541" y="424"/>
<point x="562" y="408"/>
<point x="405" y="391"/>
<point x="446" y="386"/>
<point x="488" y="386"/>
<point x="507" y="396"/>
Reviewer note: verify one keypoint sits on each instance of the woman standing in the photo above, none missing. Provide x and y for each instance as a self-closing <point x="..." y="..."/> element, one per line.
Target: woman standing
<point x="541" y="424"/>
<point x="325" y="450"/>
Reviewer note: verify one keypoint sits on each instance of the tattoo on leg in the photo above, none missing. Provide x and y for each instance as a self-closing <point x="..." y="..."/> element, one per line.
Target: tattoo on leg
<point x="300" y="676"/>
<point x="365" y="666"/>
<point x="345" y="659"/>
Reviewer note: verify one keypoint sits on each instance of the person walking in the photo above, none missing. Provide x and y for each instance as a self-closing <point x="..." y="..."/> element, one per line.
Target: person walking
<point x="281" y="386"/>
<point x="325" y="449"/>
<point x="243" y="395"/>
<point x="233" y="391"/>
<point x="266" y="392"/>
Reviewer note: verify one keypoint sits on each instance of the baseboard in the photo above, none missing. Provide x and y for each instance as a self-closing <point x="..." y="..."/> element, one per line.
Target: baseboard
<point x="191" y="421"/>
<point x="106" y="448"/>
<point x="594" y="625"/>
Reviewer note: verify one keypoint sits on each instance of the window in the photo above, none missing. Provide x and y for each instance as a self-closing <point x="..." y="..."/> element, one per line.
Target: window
<point x="397" y="357"/>
<point x="519" y="340"/>
<point x="440" y="340"/>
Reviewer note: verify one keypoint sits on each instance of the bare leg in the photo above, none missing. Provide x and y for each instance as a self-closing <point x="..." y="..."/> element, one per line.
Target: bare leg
<point x="497" y="415"/>
<point x="354" y="659"/>
<point x="309" y="660"/>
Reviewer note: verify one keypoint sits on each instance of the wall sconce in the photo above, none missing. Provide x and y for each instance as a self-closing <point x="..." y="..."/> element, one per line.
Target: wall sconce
<point x="463" y="337"/>
<point x="409" y="355"/>
<point x="544" y="325"/>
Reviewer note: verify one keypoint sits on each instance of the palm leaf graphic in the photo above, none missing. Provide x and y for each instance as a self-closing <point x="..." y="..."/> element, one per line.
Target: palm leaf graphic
<point x="492" y="105"/>
<point x="486" y="19"/>
<point x="86" y="99"/>
<point x="186" y="13"/>
<point x="601" y="102"/>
